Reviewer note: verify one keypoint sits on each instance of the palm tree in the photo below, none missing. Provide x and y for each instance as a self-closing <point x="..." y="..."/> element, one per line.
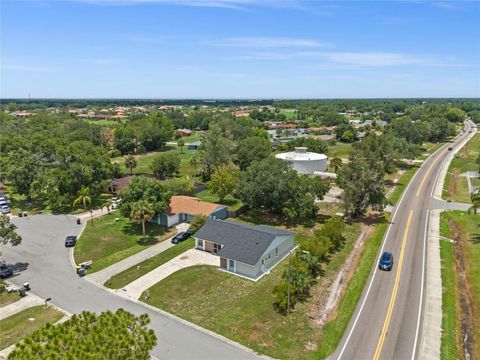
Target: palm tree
<point x="83" y="197"/>
<point x="195" y="161"/>
<point x="336" y="163"/>
<point x="181" y="144"/>
<point x="130" y="163"/>
<point x="475" y="197"/>
<point x="142" y="211"/>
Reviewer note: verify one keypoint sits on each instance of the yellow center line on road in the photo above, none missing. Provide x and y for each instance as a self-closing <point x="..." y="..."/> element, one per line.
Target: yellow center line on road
<point x="394" y="292"/>
<point x="428" y="171"/>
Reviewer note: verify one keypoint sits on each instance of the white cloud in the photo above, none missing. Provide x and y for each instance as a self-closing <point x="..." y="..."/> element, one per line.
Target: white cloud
<point x="264" y="42"/>
<point x="373" y="58"/>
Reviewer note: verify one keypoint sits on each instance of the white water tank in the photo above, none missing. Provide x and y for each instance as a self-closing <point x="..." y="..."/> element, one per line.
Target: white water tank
<point x="305" y="162"/>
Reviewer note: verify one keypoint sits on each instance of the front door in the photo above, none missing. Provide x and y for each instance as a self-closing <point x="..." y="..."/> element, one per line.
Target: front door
<point x="231" y="265"/>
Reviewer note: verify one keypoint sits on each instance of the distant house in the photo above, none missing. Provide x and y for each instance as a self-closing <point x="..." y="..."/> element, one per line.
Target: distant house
<point x="325" y="137"/>
<point x="184" y="208"/>
<point x="117" y="185"/>
<point x="185" y="132"/>
<point x="195" y="145"/>
<point x="245" y="250"/>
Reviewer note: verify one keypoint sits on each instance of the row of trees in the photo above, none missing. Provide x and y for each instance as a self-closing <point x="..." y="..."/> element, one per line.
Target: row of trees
<point x="305" y="266"/>
<point x="49" y="158"/>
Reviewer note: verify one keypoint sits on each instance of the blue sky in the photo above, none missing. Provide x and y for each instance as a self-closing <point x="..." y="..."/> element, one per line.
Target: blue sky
<point x="239" y="49"/>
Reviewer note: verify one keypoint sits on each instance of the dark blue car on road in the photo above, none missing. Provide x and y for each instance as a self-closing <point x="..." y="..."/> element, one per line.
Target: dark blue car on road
<point x="386" y="261"/>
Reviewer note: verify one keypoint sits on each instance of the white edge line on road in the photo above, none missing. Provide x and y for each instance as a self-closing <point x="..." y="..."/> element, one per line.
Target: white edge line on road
<point x="397" y="206"/>
<point x="383" y="246"/>
<point x="420" y="307"/>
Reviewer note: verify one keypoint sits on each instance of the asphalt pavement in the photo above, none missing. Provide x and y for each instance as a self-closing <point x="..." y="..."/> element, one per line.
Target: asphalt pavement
<point x="387" y="322"/>
<point x="44" y="262"/>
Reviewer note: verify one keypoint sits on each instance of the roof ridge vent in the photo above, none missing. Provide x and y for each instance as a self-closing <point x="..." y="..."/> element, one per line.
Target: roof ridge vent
<point x="301" y="149"/>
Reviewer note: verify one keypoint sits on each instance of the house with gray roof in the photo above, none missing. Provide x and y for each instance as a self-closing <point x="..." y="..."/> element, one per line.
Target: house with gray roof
<point x="245" y="250"/>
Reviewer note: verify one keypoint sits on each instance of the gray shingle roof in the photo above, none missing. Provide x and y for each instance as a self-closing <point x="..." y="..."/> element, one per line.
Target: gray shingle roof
<point x="241" y="242"/>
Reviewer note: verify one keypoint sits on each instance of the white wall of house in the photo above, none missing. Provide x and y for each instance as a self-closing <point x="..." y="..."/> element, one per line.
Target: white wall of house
<point x="279" y="247"/>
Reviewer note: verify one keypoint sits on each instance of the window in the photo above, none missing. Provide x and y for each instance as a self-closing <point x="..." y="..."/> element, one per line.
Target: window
<point x="276" y="252"/>
<point x="200" y="244"/>
<point x="216" y="248"/>
<point x="231" y="265"/>
<point x="263" y="261"/>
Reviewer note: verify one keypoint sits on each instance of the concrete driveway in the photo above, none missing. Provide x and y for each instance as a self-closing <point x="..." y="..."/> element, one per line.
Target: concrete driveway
<point x="44" y="262"/>
<point x="189" y="258"/>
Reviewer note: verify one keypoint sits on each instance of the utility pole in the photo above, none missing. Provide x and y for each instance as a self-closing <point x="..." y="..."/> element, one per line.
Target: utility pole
<point x="289" y="280"/>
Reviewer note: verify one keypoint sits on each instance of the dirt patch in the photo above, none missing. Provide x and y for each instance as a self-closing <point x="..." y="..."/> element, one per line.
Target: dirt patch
<point x="452" y="187"/>
<point x="463" y="292"/>
<point x="323" y="306"/>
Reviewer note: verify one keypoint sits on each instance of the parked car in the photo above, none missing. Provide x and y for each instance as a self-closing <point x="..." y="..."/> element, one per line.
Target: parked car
<point x="181" y="236"/>
<point x="4" y="209"/>
<point x="3" y="202"/>
<point x="5" y="270"/>
<point x="70" y="240"/>
<point x="450" y="148"/>
<point x="386" y="261"/>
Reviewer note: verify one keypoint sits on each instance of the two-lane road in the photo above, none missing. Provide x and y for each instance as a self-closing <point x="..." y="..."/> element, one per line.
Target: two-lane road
<point x="387" y="322"/>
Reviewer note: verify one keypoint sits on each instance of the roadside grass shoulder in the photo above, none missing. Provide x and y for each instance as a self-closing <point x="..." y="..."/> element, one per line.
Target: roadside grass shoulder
<point x="469" y="225"/>
<point x="16" y="327"/>
<point x="456" y="187"/>
<point x="215" y="300"/>
<point x="127" y="276"/>
<point x="402" y="183"/>
<point x="109" y="241"/>
<point x="450" y="323"/>
<point x="332" y="332"/>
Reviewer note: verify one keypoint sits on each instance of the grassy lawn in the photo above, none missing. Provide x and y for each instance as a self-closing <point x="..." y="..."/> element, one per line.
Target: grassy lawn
<point x="17" y="326"/>
<point x="7" y="298"/>
<point x="469" y="225"/>
<point x="456" y="187"/>
<point x="216" y="300"/>
<point x="144" y="161"/>
<point x="340" y="150"/>
<point x="190" y="139"/>
<point x="230" y="201"/>
<point x="108" y="242"/>
<point x="126" y="277"/>
<point x="289" y="114"/>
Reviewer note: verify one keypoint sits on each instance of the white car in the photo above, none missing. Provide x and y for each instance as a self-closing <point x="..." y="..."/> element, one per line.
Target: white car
<point x="4" y="209"/>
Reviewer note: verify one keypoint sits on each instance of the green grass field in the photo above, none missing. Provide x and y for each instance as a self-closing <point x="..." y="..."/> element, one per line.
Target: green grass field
<point x="126" y="277"/>
<point x="16" y="327"/>
<point x="7" y="298"/>
<point x="340" y="150"/>
<point x="216" y="300"/>
<point x="469" y="225"/>
<point x="230" y="201"/>
<point x="144" y="161"/>
<point x="108" y="241"/>
<point x="456" y="187"/>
